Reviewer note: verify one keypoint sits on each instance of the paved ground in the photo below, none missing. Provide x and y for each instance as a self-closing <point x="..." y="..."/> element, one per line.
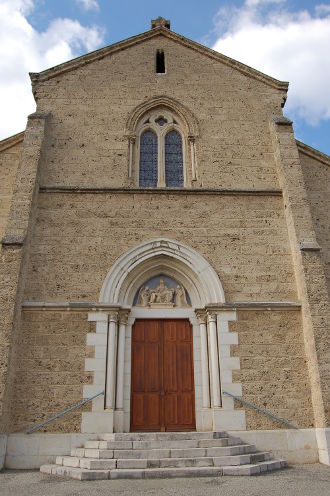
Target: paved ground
<point x="298" y="480"/>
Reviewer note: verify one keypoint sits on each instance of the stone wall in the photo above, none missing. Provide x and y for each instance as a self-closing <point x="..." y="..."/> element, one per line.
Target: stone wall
<point x="78" y="237"/>
<point x="9" y="159"/>
<point x="317" y="179"/>
<point x="90" y="106"/>
<point x="50" y="369"/>
<point x="274" y="372"/>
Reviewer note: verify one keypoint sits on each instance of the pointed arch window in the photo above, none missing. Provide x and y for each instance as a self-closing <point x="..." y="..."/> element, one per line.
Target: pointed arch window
<point x="160" y="151"/>
<point x="148" y="175"/>
<point x="173" y="159"/>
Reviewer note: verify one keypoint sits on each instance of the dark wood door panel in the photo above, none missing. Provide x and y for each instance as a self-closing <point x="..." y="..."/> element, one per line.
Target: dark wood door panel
<point x="162" y="382"/>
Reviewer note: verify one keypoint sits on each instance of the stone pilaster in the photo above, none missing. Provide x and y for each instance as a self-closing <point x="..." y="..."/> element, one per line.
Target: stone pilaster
<point x="308" y="266"/>
<point x="14" y="252"/>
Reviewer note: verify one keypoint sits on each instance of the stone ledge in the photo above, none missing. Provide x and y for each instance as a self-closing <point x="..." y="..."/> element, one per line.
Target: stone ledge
<point x="102" y="307"/>
<point x="80" y="189"/>
<point x="13" y="240"/>
<point x="309" y="246"/>
<point x="281" y="120"/>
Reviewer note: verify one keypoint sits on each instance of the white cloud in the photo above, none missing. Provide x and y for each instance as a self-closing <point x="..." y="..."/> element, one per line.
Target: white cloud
<point x="322" y="9"/>
<point x="23" y="49"/>
<point x="88" y="4"/>
<point x="289" y="46"/>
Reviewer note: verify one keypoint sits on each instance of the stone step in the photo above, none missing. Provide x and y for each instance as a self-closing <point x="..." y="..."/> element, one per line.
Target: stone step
<point x="75" y="473"/>
<point x="178" y="452"/>
<point x="86" y="463"/>
<point x="255" y="469"/>
<point x="186" y="443"/>
<point x="164" y="472"/>
<point x="160" y="436"/>
<point x="143" y="463"/>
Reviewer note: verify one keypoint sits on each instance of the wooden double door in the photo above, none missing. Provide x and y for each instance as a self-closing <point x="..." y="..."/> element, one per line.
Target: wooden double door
<point x="162" y="376"/>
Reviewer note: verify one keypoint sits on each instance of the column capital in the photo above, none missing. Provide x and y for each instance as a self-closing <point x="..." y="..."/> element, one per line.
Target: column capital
<point x="113" y="317"/>
<point x="201" y="316"/>
<point x="123" y="316"/>
<point x="211" y="316"/>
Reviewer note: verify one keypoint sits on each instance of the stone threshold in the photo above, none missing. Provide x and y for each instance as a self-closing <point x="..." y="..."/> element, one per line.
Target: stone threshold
<point x="79" y="189"/>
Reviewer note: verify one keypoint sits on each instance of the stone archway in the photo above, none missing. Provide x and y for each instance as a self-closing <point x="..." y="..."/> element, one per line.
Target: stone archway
<point x="211" y="338"/>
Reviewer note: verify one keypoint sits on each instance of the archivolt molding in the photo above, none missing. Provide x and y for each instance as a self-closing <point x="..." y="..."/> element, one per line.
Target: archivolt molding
<point x="165" y="102"/>
<point x="162" y="256"/>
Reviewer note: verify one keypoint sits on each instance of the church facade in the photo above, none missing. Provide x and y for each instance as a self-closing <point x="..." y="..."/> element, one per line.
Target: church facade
<point x="165" y="253"/>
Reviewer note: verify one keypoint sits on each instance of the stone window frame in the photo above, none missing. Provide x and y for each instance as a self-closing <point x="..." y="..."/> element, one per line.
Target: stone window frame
<point x="189" y="126"/>
<point x="148" y="122"/>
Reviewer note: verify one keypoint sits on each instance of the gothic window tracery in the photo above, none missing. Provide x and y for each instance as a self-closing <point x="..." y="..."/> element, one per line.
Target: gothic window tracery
<point x="160" y="151"/>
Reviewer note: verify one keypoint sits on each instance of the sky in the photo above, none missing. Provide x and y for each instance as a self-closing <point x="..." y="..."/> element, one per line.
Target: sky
<point x="286" y="39"/>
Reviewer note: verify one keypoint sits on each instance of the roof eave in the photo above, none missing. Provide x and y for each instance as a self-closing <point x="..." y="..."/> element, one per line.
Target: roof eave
<point x="11" y="141"/>
<point x="313" y="153"/>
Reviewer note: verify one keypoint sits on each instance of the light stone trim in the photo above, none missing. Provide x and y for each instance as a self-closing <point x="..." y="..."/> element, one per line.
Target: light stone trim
<point x="183" y="263"/>
<point x="323" y="443"/>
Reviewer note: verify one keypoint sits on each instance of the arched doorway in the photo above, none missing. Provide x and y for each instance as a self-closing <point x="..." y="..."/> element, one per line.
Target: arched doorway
<point x="197" y="303"/>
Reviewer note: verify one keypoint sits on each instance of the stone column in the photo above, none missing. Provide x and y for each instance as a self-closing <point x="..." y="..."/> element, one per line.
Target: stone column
<point x="111" y="361"/>
<point x="214" y="357"/>
<point x="121" y="361"/>
<point x="204" y="361"/>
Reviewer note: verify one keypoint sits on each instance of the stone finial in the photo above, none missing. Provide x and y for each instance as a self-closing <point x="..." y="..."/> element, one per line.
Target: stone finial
<point x="160" y="21"/>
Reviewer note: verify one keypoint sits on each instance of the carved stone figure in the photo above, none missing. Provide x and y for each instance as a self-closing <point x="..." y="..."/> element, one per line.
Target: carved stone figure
<point x="180" y="299"/>
<point x="144" y="296"/>
<point x="162" y="294"/>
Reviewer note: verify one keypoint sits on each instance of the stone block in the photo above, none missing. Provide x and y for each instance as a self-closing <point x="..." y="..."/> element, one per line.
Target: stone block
<point x="97" y="422"/>
<point x="132" y="463"/>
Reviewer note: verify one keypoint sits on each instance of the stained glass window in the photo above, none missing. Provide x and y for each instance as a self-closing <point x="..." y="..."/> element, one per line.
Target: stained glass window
<point x="148" y="159"/>
<point x="173" y="160"/>
<point x="161" y="121"/>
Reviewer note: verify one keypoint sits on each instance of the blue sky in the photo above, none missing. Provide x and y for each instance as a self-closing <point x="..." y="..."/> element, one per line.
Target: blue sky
<point x="287" y="39"/>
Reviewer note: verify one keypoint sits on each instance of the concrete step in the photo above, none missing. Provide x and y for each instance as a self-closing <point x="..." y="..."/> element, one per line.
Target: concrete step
<point x="160" y="436"/>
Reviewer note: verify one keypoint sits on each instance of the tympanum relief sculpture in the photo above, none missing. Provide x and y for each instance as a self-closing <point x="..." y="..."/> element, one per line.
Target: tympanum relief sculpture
<point x="162" y="296"/>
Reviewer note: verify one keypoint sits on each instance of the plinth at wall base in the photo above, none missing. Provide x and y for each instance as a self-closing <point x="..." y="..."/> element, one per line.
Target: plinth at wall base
<point x="3" y="448"/>
<point x="323" y="443"/>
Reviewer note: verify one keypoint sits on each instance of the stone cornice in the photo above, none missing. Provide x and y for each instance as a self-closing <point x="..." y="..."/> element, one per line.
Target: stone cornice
<point x="313" y="153"/>
<point x="75" y="306"/>
<point x="154" y="191"/>
<point x="159" y="31"/>
<point x="11" y="141"/>
<point x="255" y="305"/>
<point x="88" y="306"/>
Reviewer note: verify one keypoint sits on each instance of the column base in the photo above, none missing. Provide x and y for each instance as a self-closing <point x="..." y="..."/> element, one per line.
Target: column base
<point x="118" y="421"/>
<point x="97" y="422"/>
<point x="204" y="420"/>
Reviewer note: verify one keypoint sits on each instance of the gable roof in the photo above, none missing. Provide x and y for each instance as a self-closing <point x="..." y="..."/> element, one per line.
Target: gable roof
<point x="11" y="141"/>
<point x="163" y="31"/>
<point x="313" y="153"/>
